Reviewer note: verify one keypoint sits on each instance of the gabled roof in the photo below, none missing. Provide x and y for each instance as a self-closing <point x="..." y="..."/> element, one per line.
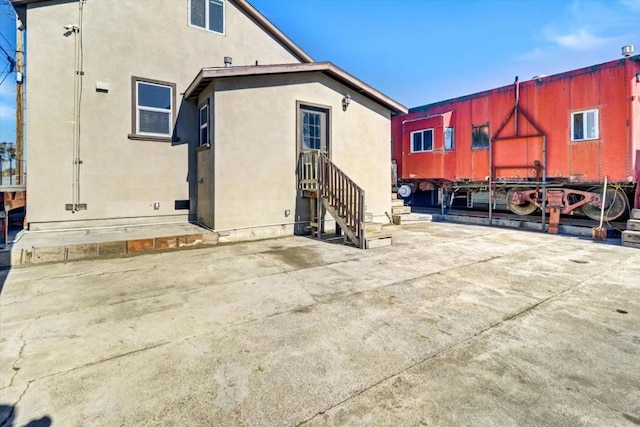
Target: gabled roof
<point x="206" y="75"/>
<point x="245" y="7"/>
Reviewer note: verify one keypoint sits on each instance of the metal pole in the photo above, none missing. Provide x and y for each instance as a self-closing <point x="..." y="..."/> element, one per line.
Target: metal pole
<point x="544" y="180"/>
<point x="19" y="99"/>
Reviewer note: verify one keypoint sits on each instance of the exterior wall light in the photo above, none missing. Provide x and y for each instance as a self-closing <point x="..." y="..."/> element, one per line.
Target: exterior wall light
<point x="346" y="101"/>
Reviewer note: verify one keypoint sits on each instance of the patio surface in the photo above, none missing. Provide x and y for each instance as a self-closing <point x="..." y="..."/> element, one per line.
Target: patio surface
<point x="452" y="325"/>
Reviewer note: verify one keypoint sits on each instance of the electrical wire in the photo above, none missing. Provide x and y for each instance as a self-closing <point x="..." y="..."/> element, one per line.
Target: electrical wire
<point x="6" y="75"/>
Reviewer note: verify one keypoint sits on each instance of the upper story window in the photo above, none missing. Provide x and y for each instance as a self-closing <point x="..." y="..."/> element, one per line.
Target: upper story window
<point x="584" y="125"/>
<point x="449" y="138"/>
<point x="154" y="108"/>
<point x="480" y="136"/>
<point x="207" y="14"/>
<point x="422" y="140"/>
<point x="204" y="125"/>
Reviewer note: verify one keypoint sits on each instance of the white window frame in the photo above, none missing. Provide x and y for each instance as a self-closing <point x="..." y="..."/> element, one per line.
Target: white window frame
<point x="453" y="138"/>
<point x="204" y="126"/>
<point x="155" y="109"/>
<point x="596" y="114"/>
<point x="206" y="14"/>
<point x="422" y="131"/>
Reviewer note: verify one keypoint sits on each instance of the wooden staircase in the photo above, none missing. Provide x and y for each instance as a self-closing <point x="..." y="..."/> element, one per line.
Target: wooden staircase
<point x="331" y="191"/>
<point x="631" y="236"/>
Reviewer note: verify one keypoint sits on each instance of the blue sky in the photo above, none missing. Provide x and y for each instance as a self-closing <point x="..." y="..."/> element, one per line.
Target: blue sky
<point x="423" y="51"/>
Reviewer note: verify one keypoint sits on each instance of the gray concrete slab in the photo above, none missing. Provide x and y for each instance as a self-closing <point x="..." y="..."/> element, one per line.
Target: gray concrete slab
<point x="37" y="247"/>
<point x="452" y="325"/>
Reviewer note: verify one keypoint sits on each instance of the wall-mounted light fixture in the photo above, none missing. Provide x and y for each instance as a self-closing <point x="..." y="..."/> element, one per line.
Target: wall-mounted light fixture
<point x="346" y="101"/>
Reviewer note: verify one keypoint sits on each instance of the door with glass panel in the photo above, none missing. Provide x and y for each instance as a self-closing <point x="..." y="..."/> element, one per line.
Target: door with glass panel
<point x="314" y="129"/>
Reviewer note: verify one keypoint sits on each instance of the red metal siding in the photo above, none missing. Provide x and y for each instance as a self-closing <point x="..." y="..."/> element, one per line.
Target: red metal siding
<point x="611" y="88"/>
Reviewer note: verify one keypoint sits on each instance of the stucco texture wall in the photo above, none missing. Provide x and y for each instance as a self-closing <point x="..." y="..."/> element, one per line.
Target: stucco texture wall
<point x="120" y="178"/>
<point x="256" y="146"/>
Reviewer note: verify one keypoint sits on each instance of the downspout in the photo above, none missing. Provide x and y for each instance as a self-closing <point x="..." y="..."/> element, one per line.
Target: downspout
<point x="77" y="109"/>
<point x="515" y="107"/>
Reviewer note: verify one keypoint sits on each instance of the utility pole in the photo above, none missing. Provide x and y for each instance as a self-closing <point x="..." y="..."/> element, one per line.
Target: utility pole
<point x="19" y="101"/>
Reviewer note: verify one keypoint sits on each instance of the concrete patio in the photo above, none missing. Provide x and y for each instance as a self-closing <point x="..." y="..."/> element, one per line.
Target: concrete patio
<point x="452" y="325"/>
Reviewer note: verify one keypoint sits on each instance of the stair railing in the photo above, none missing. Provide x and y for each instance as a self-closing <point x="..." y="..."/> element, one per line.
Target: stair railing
<point x="345" y="197"/>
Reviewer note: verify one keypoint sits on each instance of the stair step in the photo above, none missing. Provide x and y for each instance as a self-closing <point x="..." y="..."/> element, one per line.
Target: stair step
<point x="372" y="227"/>
<point x="368" y="217"/>
<point x="394" y="195"/>
<point x="400" y="210"/>
<point x="413" y="217"/>
<point x="631" y="239"/>
<point x="378" y="240"/>
<point x="633" y="224"/>
<point x="397" y="202"/>
<point x="635" y="214"/>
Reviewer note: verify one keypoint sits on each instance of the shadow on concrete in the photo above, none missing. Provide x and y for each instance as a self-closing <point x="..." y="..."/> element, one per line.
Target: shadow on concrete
<point x="8" y="413"/>
<point x="16" y="221"/>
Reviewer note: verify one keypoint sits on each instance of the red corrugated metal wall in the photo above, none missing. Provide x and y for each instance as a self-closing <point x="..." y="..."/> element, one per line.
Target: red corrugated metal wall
<point x="611" y="88"/>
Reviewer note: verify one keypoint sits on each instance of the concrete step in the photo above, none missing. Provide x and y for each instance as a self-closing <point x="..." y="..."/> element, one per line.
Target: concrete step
<point x="105" y="249"/>
<point x="631" y="239"/>
<point x="635" y="214"/>
<point x="400" y="210"/>
<point x="633" y="224"/>
<point x="378" y="240"/>
<point x="372" y="227"/>
<point x="394" y="195"/>
<point x="397" y="202"/>
<point x="415" y="217"/>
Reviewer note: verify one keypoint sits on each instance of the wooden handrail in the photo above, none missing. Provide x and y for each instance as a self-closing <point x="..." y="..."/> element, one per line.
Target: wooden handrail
<point x="341" y="196"/>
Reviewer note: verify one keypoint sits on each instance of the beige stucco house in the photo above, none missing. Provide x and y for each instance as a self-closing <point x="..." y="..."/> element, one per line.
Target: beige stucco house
<point x="186" y="110"/>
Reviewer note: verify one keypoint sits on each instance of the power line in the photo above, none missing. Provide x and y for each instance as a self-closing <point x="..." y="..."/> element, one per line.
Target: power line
<point x="6" y="75"/>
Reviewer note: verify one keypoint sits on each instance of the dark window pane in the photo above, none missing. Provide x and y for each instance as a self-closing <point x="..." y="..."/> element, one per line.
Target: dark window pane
<point x="578" y="126"/>
<point x="204" y="136"/>
<point x="480" y="137"/>
<point x="155" y="122"/>
<point x="204" y="116"/>
<point x="216" y="16"/>
<point x="154" y="96"/>
<point x="417" y="141"/>
<point x="198" y="13"/>
<point x="427" y="140"/>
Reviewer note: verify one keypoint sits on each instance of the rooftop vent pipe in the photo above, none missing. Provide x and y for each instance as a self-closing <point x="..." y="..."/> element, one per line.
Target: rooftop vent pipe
<point x="627" y="50"/>
<point x="227" y="61"/>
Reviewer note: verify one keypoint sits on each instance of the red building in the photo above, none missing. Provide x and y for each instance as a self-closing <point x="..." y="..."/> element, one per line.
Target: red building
<point x="543" y="144"/>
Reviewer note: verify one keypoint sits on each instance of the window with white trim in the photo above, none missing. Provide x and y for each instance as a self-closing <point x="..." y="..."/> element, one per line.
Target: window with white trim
<point x="154" y="108"/>
<point x="449" y="139"/>
<point x="204" y="125"/>
<point x="207" y="14"/>
<point x="422" y="140"/>
<point x="584" y="125"/>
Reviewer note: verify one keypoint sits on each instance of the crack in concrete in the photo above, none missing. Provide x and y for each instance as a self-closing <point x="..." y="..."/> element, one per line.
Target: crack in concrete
<point x="97" y="362"/>
<point x="15" y="405"/>
<point x="15" y="367"/>
<point x="453" y="346"/>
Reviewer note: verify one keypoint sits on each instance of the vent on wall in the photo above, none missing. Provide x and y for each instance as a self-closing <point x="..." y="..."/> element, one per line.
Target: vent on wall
<point x="181" y="205"/>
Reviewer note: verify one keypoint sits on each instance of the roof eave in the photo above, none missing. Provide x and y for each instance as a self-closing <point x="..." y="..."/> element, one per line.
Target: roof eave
<point x="206" y="75"/>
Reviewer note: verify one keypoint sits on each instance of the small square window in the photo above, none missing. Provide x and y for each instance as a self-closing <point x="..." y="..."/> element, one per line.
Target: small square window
<point x="207" y="14"/>
<point x="584" y="125"/>
<point x="480" y="137"/>
<point x="422" y="140"/>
